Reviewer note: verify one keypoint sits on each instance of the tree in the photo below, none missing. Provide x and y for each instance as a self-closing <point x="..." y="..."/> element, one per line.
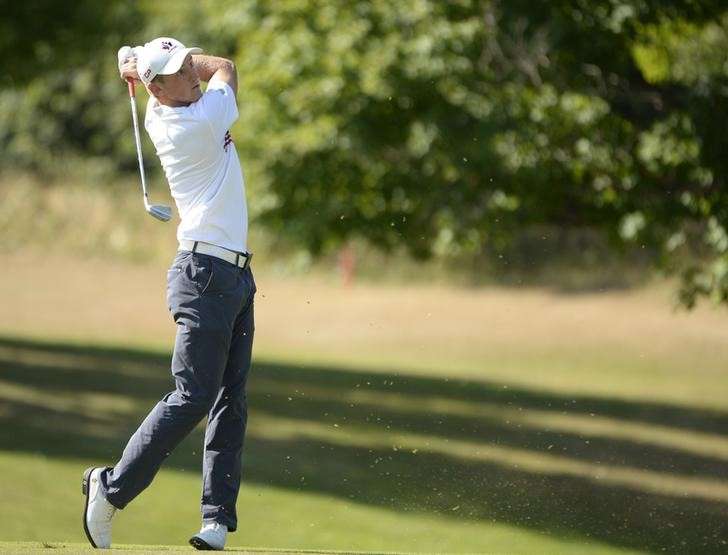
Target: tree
<point x="448" y="126"/>
<point x="41" y="35"/>
<point x="444" y="127"/>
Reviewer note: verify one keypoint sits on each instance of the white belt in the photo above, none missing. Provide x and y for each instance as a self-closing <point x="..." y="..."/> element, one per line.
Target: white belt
<point x="239" y="259"/>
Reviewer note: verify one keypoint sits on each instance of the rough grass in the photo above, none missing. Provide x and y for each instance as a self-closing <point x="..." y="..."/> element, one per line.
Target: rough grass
<point x="103" y="217"/>
<point x="417" y="419"/>
<point x="618" y="344"/>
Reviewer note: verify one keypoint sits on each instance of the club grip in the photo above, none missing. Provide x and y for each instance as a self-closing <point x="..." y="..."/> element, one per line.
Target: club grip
<point x="132" y="87"/>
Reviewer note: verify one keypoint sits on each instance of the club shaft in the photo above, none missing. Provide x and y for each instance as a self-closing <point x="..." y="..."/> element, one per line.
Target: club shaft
<point x="138" y="141"/>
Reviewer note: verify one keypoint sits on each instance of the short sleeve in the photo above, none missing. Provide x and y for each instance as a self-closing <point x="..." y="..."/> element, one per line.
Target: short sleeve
<point x="219" y="106"/>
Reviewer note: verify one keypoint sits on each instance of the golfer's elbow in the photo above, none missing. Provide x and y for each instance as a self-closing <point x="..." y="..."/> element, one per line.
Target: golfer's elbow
<point x="231" y="74"/>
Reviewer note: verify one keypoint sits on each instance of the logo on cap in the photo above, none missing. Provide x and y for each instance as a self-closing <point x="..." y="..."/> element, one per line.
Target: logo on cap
<point x="147" y="73"/>
<point x="167" y="45"/>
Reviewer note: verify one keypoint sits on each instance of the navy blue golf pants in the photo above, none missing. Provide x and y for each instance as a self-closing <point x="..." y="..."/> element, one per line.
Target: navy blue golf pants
<point x="211" y="301"/>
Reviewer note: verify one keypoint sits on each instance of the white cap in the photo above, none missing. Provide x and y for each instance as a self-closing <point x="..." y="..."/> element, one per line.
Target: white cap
<point x="162" y="56"/>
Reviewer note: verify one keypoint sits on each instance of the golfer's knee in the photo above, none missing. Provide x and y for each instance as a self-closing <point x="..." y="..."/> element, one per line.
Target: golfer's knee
<point x="197" y="403"/>
<point x="202" y="402"/>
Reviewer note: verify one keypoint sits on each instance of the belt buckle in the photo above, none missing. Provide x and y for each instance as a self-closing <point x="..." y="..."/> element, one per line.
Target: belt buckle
<point x="246" y="256"/>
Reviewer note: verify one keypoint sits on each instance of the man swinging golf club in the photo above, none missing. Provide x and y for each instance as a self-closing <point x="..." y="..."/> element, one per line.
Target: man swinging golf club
<point x="210" y="290"/>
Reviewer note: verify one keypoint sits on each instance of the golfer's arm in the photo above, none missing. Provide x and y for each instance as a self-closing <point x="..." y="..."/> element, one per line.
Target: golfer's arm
<point x="221" y="68"/>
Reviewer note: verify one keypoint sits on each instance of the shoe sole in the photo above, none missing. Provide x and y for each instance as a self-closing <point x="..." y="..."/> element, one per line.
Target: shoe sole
<point x="200" y="544"/>
<point x="85" y="490"/>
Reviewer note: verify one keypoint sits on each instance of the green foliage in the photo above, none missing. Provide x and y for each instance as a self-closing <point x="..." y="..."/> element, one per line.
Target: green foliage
<point x="45" y="35"/>
<point x="62" y="106"/>
<point x="689" y="146"/>
<point x="449" y="128"/>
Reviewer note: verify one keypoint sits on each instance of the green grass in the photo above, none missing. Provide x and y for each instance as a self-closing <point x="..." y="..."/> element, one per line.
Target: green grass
<point x="274" y="517"/>
<point x="70" y="547"/>
<point x="368" y="460"/>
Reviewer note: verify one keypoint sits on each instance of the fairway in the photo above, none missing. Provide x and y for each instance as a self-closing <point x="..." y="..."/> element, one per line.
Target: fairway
<point x="367" y="278"/>
<point x="381" y="418"/>
<point x="44" y="547"/>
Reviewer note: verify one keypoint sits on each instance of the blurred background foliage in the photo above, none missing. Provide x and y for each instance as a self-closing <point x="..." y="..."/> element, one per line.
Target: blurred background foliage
<point x="499" y="135"/>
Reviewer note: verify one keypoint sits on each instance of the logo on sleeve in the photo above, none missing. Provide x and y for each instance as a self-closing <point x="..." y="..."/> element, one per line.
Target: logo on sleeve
<point x="228" y="139"/>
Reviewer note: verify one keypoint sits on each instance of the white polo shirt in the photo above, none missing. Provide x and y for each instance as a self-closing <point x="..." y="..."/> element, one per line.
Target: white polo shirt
<point x="202" y="167"/>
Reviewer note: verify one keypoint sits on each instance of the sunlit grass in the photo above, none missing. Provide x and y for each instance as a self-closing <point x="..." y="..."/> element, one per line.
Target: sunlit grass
<point x="505" y="421"/>
<point x="447" y="452"/>
<point x="272" y="519"/>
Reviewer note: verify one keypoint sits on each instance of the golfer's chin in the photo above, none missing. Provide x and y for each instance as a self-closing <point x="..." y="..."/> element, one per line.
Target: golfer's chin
<point x="191" y="96"/>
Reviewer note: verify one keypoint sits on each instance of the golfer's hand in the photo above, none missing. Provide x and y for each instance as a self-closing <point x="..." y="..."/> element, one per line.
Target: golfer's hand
<point x="128" y="70"/>
<point x="127" y="64"/>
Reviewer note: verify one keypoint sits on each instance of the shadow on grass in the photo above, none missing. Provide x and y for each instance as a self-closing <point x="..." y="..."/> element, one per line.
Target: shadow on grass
<point x="81" y="401"/>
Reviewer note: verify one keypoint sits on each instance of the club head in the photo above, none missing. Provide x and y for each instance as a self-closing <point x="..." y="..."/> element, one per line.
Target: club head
<point x="159" y="211"/>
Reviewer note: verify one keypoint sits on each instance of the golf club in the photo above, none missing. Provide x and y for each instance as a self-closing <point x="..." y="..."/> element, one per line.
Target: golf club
<point x="159" y="211"/>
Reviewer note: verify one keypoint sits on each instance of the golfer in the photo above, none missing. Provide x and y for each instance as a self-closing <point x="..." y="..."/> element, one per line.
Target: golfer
<point x="210" y="292"/>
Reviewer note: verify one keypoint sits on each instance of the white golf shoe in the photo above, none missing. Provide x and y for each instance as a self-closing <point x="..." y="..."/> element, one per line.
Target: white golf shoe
<point x="98" y="512"/>
<point x="211" y="538"/>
